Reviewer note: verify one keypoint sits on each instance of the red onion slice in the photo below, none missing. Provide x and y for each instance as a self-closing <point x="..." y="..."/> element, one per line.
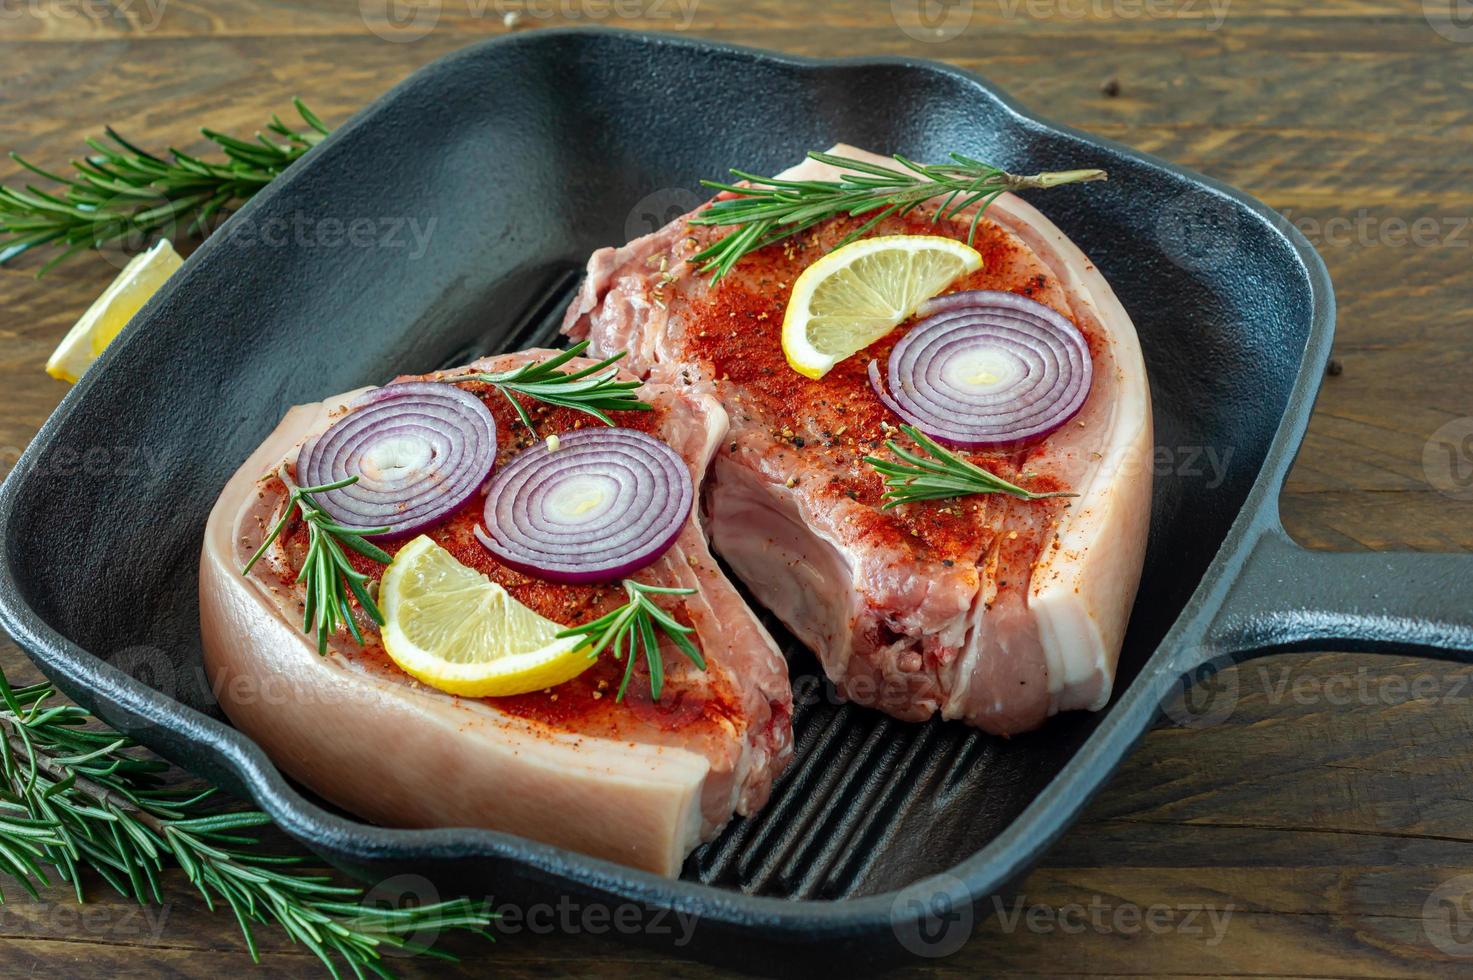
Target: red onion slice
<point x="604" y="503"/>
<point x="420" y="450"/>
<point x="987" y="370"/>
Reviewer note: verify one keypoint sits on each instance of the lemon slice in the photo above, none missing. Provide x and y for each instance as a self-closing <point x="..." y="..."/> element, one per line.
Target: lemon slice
<point x="106" y="318"/>
<point x="456" y="630"/>
<point x="856" y="294"/>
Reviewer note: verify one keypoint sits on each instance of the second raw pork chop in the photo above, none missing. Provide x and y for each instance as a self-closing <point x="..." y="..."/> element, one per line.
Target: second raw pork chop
<point x="986" y="608"/>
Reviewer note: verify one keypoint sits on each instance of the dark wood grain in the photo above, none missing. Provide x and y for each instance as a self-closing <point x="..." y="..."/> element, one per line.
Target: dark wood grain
<point x="1319" y="818"/>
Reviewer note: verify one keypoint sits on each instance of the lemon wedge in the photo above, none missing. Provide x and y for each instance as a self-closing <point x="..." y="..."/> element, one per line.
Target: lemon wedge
<point x="106" y="318"/>
<point x="456" y="630"/>
<point x="856" y="294"/>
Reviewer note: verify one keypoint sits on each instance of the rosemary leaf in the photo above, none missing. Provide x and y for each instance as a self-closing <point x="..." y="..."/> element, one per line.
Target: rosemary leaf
<point x="121" y="193"/>
<point x="327" y="576"/>
<point x="595" y="390"/>
<point x="936" y="473"/>
<point x="639" y="623"/>
<point x="769" y="209"/>
<point x="73" y="795"/>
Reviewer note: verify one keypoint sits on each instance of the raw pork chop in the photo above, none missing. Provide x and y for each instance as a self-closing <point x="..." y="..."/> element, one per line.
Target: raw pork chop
<point x="997" y="611"/>
<point x="638" y="782"/>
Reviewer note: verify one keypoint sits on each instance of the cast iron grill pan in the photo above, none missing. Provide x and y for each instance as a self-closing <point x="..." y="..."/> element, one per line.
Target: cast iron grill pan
<point x="524" y="154"/>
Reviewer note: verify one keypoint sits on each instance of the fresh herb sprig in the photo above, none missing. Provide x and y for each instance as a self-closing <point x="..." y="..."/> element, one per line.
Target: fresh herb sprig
<point x="595" y="390"/>
<point x="121" y="192"/>
<point x="326" y="572"/>
<point x="769" y="209"/>
<point x="636" y="626"/>
<point x="75" y="795"/>
<point x="938" y="475"/>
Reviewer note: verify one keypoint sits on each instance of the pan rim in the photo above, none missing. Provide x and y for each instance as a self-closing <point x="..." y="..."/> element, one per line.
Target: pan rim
<point x="984" y="872"/>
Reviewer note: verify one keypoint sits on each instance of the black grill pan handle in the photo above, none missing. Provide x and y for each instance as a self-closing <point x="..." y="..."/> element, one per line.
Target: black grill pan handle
<point x="1287" y="598"/>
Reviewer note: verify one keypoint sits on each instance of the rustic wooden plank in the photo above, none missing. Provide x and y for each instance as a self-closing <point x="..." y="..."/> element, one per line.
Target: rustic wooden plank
<point x="83" y="21"/>
<point x="1323" y="819"/>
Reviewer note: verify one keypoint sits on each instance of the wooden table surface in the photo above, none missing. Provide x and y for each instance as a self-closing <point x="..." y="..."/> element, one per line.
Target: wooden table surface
<point x="1321" y="828"/>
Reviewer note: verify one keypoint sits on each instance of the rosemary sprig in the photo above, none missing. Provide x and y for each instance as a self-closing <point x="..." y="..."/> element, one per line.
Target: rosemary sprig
<point x="326" y="571"/>
<point x="73" y="795"/>
<point x="941" y="476"/>
<point x="769" y="209"/>
<point x="595" y="390"/>
<point x="637" y="625"/>
<point x="120" y="190"/>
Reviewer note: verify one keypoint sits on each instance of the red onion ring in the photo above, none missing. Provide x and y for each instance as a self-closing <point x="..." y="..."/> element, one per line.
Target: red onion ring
<point x="987" y="370"/>
<point x="604" y="503"/>
<point x="420" y="450"/>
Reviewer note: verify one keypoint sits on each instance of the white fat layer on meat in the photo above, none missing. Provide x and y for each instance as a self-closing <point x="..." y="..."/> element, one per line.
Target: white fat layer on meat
<point x="1083" y="589"/>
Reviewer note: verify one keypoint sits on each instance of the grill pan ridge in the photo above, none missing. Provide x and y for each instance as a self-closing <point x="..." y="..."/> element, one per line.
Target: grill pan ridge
<point x="881" y="832"/>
